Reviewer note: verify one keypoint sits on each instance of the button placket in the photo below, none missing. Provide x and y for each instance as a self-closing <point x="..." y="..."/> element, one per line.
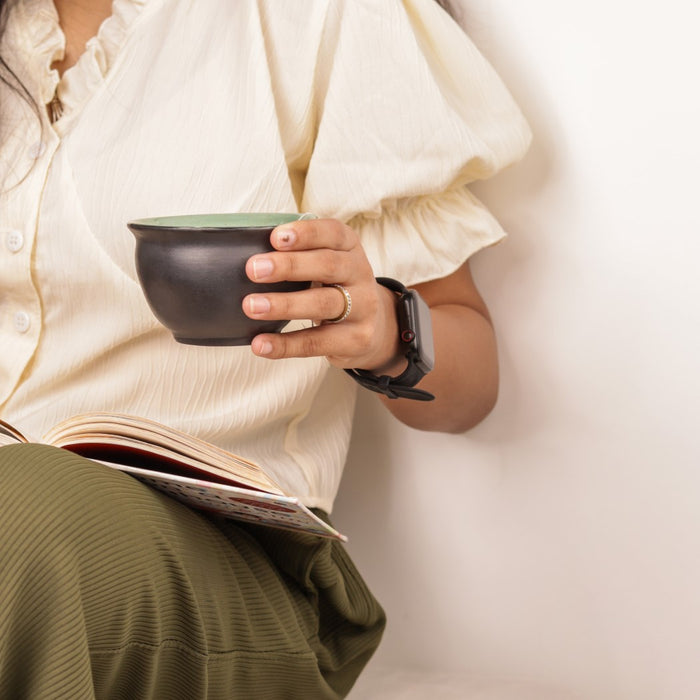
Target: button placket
<point x="37" y="150"/>
<point x="14" y="240"/>
<point x="21" y="197"/>
<point x="21" y="321"/>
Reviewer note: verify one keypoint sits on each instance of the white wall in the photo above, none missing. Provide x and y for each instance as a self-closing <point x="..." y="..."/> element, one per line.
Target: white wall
<point x="560" y="540"/>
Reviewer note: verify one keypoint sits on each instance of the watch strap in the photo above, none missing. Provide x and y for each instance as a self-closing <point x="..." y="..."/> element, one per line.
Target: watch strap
<point x="402" y="385"/>
<point x="385" y="384"/>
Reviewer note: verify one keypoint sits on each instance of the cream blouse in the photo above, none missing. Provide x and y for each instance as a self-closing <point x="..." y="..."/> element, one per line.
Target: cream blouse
<point x="377" y="112"/>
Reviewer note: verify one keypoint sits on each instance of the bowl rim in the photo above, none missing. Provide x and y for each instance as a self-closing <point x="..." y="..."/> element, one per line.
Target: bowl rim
<point x="217" y="221"/>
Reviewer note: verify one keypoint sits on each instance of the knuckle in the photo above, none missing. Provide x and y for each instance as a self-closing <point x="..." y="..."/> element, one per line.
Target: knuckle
<point x="329" y="304"/>
<point x="310" y="232"/>
<point x="286" y="345"/>
<point x="328" y="265"/>
<point x="288" y="265"/>
<point x="317" y="228"/>
<point x="349" y="237"/>
<point x="281" y="306"/>
<point x="372" y="306"/>
<point x="309" y="345"/>
<point x="363" y="338"/>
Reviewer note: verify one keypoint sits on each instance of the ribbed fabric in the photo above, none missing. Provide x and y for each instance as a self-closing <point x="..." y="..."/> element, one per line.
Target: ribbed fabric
<point x="379" y="113"/>
<point x="110" y="590"/>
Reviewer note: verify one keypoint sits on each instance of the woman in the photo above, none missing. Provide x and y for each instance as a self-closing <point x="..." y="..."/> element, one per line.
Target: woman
<point x="372" y="115"/>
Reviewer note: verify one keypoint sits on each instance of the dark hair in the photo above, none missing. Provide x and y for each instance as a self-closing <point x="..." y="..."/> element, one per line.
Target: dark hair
<point x="445" y="4"/>
<point x="7" y="75"/>
<point x="9" y="78"/>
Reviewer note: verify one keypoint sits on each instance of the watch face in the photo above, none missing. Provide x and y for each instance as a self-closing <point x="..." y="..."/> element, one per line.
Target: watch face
<point x="417" y="330"/>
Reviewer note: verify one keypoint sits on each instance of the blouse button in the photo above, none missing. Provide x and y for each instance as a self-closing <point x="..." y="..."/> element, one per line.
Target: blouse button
<point x="14" y="241"/>
<point x="37" y="150"/>
<point x="21" y="322"/>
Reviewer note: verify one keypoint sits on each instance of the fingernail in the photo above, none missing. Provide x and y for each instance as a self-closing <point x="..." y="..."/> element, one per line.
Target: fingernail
<point x="285" y="237"/>
<point x="258" y="305"/>
<point x="262" y="267"/>
<point x="261" y="347"/>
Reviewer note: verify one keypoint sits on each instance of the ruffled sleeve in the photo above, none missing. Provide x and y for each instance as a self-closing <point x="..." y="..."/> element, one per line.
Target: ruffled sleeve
<point x="409" y="113"/>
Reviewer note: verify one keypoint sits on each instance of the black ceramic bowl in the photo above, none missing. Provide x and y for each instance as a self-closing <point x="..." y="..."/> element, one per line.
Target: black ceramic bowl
<point x="192" y="272"/>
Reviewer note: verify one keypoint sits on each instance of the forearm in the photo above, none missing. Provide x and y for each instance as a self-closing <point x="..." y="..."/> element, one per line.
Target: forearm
<point x="465" y="378"/>
<point x="328" y="252"/>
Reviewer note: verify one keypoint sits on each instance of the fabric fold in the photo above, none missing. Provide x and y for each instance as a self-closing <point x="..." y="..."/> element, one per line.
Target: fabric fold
<point x="395" y="150"/>
<point x="418" y="239"/>
<point x="42" y="43"/>
<point x="81" y="80"/>
<point x="380" y="116"/>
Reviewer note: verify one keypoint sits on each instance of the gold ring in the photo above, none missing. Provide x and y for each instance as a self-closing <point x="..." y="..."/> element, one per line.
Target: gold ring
<point x="348" y="304"/>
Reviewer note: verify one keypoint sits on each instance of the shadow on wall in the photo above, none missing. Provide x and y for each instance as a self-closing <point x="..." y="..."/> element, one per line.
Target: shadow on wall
<point x="510" y="278"/>
<point x="515" y="275"/>
<point x="514" y="278"/>
<point x="369" y="484"/>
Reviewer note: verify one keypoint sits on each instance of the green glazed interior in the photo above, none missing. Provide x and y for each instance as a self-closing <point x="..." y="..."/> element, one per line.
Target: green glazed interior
<point x="209" y="221"/>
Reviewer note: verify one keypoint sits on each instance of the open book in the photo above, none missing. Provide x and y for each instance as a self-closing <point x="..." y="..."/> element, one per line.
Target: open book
<point x="189" y="469"/>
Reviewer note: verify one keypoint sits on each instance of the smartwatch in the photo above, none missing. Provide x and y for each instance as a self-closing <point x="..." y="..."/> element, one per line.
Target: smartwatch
<point x="416" y="338"/>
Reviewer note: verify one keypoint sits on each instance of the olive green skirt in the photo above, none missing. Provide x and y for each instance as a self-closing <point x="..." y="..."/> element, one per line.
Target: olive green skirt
<point x="109" y="589"/>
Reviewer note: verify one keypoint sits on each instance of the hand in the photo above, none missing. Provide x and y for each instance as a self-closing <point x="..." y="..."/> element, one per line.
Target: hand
<point x="326" y="252"/>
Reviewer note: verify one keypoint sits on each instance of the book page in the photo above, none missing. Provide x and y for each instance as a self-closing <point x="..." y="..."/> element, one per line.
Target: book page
<point x="181" y="467"/>
<point x="238" y="503"/>
<point x="93" y="435"/>
<point x="9" y="434"/>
